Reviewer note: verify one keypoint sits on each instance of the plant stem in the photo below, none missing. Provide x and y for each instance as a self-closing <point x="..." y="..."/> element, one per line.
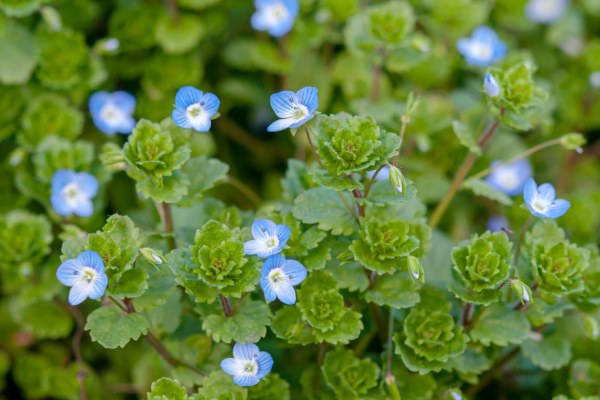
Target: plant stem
<point x="245" y="190"/>
<point x="518" y="157"/>
<point x="461" y="174"/>
<point x="226" y="305"/>
<point x="164" y="210"/>
<point x="467" y="314"/>
<point x="320" y="357"/>
<point x="360" y="208"/>
<point x="372" y="180"/>
<point x="77" y="337"/>
<point x="520" y="240"/>
<point x="405" y="121"/>
<point x="390" y="379"/>
<point x="173" y="10"/>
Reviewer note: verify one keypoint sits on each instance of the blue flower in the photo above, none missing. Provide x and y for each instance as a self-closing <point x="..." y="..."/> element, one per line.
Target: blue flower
<point x="542" y="201"/>
<point x="112" y="112"/>
<point x="248" y="365"/>
<point x="490" y="85"/>
<point x="85" y="275"/>
<point x="483" y="48"/>
<point x="72" y="193"/>
<point x="294" y="109"/>
<point x="269" y="238"/>
<point x="275" y="16"/>
<point x="545" y="11"/>
<point x="194" y="109"/>
<point x="497" y="223"/>
<point x="278" y="278"/>
<point x="509" y="178"/>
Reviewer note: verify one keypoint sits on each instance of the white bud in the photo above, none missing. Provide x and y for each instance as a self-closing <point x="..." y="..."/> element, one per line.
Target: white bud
<point x="490" y="85"/>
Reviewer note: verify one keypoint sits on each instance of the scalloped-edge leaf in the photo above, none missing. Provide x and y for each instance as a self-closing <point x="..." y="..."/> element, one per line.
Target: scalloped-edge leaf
<point x="500" y="325"/>
<point x="112" y="328"/>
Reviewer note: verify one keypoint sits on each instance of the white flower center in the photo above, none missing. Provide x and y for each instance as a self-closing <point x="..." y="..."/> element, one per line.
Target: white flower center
<point x="300" y="111"/>
<point x="72" y="194"/>
<point x="482" y="51"/>
<point x="508" y="177"/>
<point x="272" y="242"/>
<point x="276" y="275"/>
<point x="249" y="367"/>
<point x="111" y="114"/>
<point x="540" y="205"/>
<point x="276" y="13"/>
<point x="87" y="275"/>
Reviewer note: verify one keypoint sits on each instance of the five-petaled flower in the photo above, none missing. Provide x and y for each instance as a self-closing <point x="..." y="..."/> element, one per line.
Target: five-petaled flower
<point x="294" y="109"/>
<point x="269" y="238"/>
<point x="72" y="193"/>
<point x="483" y="48"/>
<point x="275" y="16"/>
<point x="278" y="278"/>
<point x="542" y="201"/>
<point x="194" y="109"/>
<point x="509" y="178"/>
<point x="490" y="85"/>
<point x="112" y="112"/>
<point x="85" y="275"/>
<point x="248" y="365"/>
<point x="545" y="11"/>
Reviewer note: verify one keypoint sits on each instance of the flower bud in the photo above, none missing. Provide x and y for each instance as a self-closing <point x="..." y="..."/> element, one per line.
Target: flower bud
<point x="52" y="18"/>
<point x="573" y="141"/>
<point x="490" y="85"/>
<point x="151" y="255"/>
<point x="415" y="268"/>
<point x="522" y="290"/>
<point x="397" y="180"/>
<point x="107" y="46"/>
<point x="591" y="327"/>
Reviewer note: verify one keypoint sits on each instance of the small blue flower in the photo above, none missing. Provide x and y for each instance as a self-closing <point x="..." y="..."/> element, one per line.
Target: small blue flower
<point x="483" y="48"/>
<point x="269" y="238"/>
<point x="85" y="275"/>
<point x="275" y="16"/>
<point x="294" y="109"/>
<point x="542" y="201"/>
<point x="278" y="278"/>
<point x="545" y="11"/>
<point x="497" y="223"/>
<point x="490" y="85"/>
<point x="72" y="193"/>
<point x="509" y="178"/>
<point x="194" y="109"/>
<point x="248" y="365"/>
<point x="112" y="112"/>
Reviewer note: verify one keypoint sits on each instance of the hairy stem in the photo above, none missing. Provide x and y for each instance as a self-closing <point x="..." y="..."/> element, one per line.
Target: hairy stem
<point x="226" y="306"/>
<point x="164" y="210"/>
<point x="467" y="314"/>
<point x="244" y="189"/>
<point x="461" y="174"/>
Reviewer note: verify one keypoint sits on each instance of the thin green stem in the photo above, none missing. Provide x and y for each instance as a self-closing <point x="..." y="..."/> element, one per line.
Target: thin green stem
<point x="372" y="180"/>
<point x="405" y="121"/>
<point x="390" y="379"/>
<point x="518" y="157"/>
<point x="461" y="174"/>
<point x="245" y="190"/>
<point x="521" y="238"/>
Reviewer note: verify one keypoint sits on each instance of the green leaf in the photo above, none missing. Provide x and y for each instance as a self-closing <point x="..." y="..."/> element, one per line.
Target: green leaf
<point x="289" y="325"/>
<point x="133" y="283"/>
<point x="396" y="290"/>
<point x="42" y="377"/>
<point x="500" y="325"/>
<point x="167" y="389"/>
<point x="219" y="384"/>
<point x="164" y="189"/>
<point x="110" y="327"/>
<point x="161" y="285"/>
<point x="550" y="352"/>
<point x="19" y="52"/>
<point x="482" y="188"/>
<point x="44" y="319"/>
<point x="202" y="173"/>
<point x="412" y="386"/>
<point x="271" y="386"/>
<point x="254" y="55"/>
<point x="324" y="206"/>
<point x="348" y="376"/>
<point x="180" y="262"/>
<point x="178" y="35"/>
<point x="349" y="276"/>
<point x="247" y="325"/>
<point x="466" y="137"/>
<point x="469" y="365"/>
<point x="584" y="378"/>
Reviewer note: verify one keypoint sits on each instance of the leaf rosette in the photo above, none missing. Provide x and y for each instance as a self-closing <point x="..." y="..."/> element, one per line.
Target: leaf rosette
<point x="349" y="144"/>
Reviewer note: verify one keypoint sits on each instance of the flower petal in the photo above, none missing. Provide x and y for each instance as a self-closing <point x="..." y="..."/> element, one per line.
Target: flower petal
<point x="529" y="191"/>
<point x="98" y="287"/>
<point x="84" y="207"/>
<point x="211" y="103"/>
<point x="181" y="119"/>
<point x="267" y="288"/>
<point x="97" y="101"/>
<point x="283" y="234"/>
<point x="79" y="292"/>
<point x="62" y="178"/>
<point x="283" y="103"/>
<point x="60" y="205"/>
<point x="245" y="351"/>
<point x="294" y="271"/>
<point x="201" y="124"/>
<point x="308" y="96"/>
<point x="265" y="364"/>
<point x="90" y="258"/>
<point x="484" y="33"/>
<point x="263" y="229"/>
<point x="546" y="192"/>
<point x="274" y="261"/>
<point x="68" y="272"/>
<point x="285" y="292"/>
<point x="246" y="380"/>
<point x="87" y="183"/>
<point x="254" y="247"/>
<point x="281" y="124"/>
<point x="186" y="96"/>
<point x="558" y="208"/>
<point x="231" y="366"/>
<point x="124" y="101"/>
